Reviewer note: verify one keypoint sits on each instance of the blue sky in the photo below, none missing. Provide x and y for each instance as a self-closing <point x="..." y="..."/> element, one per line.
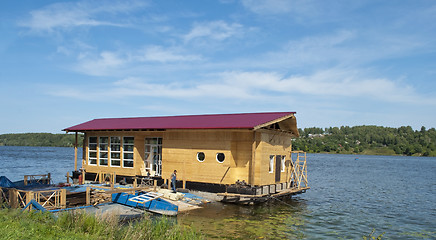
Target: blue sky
<point x="336" y="63"/>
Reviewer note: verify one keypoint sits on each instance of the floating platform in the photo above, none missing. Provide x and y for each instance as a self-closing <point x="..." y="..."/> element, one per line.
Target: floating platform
<point x="249" y="199"/>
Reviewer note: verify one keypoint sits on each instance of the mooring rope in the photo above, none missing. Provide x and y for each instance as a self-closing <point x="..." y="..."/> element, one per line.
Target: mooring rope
<point x="282" y="201"/>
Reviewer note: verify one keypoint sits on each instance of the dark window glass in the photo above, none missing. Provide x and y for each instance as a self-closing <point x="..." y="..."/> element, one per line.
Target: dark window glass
<point x="201" y="156"/>
<point x="220" y="157"/>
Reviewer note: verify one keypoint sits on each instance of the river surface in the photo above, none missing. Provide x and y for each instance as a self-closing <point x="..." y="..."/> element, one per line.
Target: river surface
<point x="350" y="196"/>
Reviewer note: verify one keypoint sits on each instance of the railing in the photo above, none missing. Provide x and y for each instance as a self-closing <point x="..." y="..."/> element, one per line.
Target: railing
<point x="49" y="199"/>
<point x="298" y="177"/>
<point x="105" y="177"/>
<point x="41" y="178"/>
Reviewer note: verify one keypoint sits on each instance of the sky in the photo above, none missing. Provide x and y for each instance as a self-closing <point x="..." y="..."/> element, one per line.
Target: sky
<point x="335" y="63"/>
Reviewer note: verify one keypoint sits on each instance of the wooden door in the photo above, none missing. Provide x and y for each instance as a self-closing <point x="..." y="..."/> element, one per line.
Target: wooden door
<point x="278" y="167"/>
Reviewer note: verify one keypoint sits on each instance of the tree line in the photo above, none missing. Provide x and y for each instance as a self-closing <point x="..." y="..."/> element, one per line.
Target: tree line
<point x="40" y="139"/>
<point x="368" y="140"/>
<point x="347" y="140"/>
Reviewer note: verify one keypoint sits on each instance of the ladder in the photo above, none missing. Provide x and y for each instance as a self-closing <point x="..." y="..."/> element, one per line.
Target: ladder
<point x="146" y="197"/>
<point x="299" y="169"/>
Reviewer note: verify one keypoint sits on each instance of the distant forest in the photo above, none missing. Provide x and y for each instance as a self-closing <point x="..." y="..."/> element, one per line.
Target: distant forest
<point x="40" y="139"/>
<point x="369" y="140"/>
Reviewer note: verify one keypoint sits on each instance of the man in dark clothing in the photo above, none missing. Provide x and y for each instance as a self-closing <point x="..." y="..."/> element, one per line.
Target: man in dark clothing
<point x="173" y="180"/>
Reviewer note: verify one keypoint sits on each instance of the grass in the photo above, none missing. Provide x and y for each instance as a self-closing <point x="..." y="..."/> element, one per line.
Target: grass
<point x="15" y="224"/>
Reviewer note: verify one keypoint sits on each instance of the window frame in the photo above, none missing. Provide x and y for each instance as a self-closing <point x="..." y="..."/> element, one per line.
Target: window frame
<point x="115" y="151"/>
<point x="100" y="152"/>
<point x="272" y="159"/>
<point x="92" y="151"/>
<point x="218" y="159"/>
<point x="283" y="167"/>
<point x="128" y="152"/>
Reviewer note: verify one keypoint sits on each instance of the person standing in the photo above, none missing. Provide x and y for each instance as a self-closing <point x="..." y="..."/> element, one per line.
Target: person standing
<point x="173" y="180"/>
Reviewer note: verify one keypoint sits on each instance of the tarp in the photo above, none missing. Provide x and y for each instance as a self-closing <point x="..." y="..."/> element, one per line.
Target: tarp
<point x="5" y="182"/>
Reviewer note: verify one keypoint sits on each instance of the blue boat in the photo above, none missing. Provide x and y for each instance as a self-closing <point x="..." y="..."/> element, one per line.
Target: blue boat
<point x="146" y="200"/>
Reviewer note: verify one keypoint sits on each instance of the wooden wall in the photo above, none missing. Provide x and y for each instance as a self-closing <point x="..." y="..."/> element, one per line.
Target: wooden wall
<point x="180" y="148"/>
<point x="270" y="143"/>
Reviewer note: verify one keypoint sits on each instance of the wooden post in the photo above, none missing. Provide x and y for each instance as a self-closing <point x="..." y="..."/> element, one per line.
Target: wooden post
<point x="63" y="198"/>
<point x="48" y="178"/>
<point x="88" y="196"/>
<point x="252" y="164"/>
<point x="68" y="177"/>
<point x="13" y="198"/>
<point x="135" y="184"/>
<point x="184" y="184"/>
<point x="25" y="180"/>
<point x="75" y="154"/>
<point x="154" y="185"/>
<point x="30" y="196"/>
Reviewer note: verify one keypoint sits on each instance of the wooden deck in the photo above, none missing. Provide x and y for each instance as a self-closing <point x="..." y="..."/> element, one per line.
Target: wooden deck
<point x="249" y="199"/>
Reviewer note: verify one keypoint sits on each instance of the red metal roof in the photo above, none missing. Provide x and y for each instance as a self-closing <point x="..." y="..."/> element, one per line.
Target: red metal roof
<point x="216" y="121"/>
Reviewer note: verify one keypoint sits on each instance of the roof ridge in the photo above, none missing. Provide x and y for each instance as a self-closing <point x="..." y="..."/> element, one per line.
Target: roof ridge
<point x="196" y="115"/>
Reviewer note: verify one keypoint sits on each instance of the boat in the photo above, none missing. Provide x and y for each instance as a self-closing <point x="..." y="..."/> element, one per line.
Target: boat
<point x="149" y="201"/>
<point x="123" y="212"/>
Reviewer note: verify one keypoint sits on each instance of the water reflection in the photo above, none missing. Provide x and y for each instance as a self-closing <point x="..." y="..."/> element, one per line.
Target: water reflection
<point x="272" y="220"/>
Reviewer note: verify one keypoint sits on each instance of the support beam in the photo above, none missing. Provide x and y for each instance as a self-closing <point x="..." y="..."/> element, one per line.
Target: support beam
<point x="75" y="153"/>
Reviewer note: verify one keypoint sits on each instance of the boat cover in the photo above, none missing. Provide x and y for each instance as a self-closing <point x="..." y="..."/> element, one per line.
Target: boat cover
<point x="6" y="183"/>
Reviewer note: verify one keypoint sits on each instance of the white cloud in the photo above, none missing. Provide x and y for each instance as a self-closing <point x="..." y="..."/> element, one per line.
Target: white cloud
<point x="216" y="30"/>
<point x="262" y="86"/>
<point x="100" y="65"/>
<point x="327" y="83"/>
<point x="114" y="63"/>
<point x="159" y="54"/>
<point x="76" y="14"/>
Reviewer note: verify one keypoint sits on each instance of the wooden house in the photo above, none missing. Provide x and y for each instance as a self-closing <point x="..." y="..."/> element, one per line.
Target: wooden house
<point x="209" y="152"/>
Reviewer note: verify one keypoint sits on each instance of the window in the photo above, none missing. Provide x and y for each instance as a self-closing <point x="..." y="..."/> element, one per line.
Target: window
<point x="271" y="163"/>
<point x="201" y="156"/>
<point x="153" y="155"/>
<point x="283" y="164"/>
<point x="220" y="157"/>
<point x="103" y="144"/>
<point x="128" y="145"/>
<point x="115" y="151"/>
<point x="92" y="151"/>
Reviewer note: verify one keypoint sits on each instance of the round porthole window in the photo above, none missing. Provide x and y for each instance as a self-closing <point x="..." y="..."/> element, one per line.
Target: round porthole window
<point x="220" y="157"/>
<point x="201" y="156"/>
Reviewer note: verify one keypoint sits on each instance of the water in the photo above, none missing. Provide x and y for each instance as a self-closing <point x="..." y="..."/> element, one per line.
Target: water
<point x="16" y="162"/>
<point x="347" y="200"/>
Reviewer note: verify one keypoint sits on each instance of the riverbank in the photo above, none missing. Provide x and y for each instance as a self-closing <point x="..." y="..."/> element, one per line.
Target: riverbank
<point x="372" y="152"/>
<point x="37" y="225"/>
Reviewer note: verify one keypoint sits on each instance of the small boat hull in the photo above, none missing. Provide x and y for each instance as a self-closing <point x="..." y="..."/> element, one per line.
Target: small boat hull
<point x="158" y="205"/>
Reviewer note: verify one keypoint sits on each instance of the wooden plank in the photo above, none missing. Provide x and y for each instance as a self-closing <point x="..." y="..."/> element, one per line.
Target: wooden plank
<point x="63" y="198"/>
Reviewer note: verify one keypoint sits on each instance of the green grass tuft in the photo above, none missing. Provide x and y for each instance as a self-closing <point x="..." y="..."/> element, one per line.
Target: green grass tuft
<point x="15" y="224"/>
